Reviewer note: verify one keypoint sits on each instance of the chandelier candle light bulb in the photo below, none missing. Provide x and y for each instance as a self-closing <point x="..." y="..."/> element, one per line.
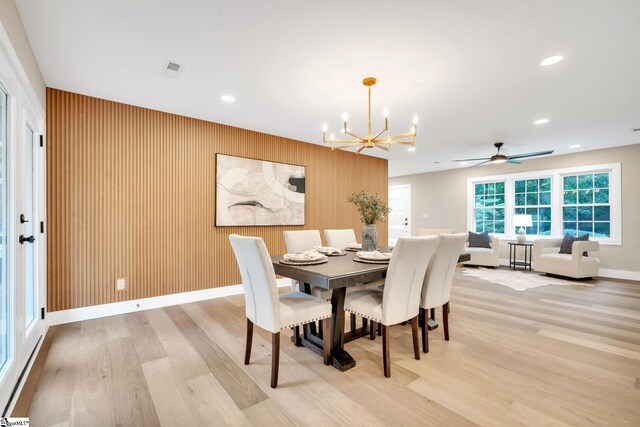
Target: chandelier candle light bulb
<point x="380" y="140"/>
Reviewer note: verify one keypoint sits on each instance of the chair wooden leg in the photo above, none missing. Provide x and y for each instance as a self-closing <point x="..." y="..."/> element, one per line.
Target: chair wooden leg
<point x="379" y="328"/>
<point x="414" y="333"/>
<point x="448" y="308"/>
<point x="296" y="336"/>
<point x="385" y="351"/>
<point x="372" y="332"/>
<point x="445" y="320"/>
<point x="275" y="358"/>
<point x="247" y="349"/>
<point x="364" y="322"/>
<point x="326" y="326"/>
<point x="433" y="314"/>
<point x="352" y="319"/>
<point x="425" y="331"/>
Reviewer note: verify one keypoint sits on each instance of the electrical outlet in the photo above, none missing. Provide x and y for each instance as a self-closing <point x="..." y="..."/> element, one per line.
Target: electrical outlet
<point x="121" y="284"/>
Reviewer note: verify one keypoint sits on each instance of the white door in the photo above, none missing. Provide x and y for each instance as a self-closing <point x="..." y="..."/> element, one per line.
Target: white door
<point x="22" y="251"/>
<point x="399" y="212"/>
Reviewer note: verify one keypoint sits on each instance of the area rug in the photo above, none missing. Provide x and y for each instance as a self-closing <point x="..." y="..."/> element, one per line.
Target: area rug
<point x="517" y="280"/>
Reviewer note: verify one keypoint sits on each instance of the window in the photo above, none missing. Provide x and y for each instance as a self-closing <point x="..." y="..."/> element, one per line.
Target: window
<point x="489" y="207"/>
<point x="533" y="197"/>
<point x="576" y="200"/>
<point x="586" y="206"/>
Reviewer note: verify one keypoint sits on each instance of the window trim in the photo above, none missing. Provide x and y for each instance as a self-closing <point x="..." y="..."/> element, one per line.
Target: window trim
<point x="615" y="199"/>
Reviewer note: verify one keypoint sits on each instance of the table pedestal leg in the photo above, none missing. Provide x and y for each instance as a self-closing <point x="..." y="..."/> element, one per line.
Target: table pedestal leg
<point x="339" y="357"/>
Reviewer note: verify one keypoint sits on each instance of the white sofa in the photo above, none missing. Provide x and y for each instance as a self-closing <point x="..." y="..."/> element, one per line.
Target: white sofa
<point x="548" y="259"/>
<point x="484" y="256"/>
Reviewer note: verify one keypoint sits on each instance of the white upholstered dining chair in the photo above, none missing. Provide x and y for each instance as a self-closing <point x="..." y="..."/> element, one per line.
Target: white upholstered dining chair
<point x="298" y="241"/>
<point x="339" y="238"/>
<point x="399" y="301"/>
<point x="436" y="289"/>
<point x="269" y="310"/>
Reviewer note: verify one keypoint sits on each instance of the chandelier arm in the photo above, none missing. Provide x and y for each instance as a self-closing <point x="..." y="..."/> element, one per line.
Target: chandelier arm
<point x="345" y="141"/>
<point x="355" y="136"/>
<point x="402" y="135"/>
<point x="399" y="142"/>
<point x="353" y="144"/>
<point x="386" y="128"/>
<point x="382" y="147"/>
<point x="360" y="149"/>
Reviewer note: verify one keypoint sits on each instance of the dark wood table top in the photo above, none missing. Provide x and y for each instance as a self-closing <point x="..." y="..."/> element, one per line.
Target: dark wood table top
<point x="338" y="272"/>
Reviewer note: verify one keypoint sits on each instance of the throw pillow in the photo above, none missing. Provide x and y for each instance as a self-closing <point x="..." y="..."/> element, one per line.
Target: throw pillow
<point x="567" y="243"/>
<point x="479" y="240"/>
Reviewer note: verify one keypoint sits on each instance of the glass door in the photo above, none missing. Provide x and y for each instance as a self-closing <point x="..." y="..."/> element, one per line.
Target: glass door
<point x="22" y="250"/>
<point x="5" y="314"/>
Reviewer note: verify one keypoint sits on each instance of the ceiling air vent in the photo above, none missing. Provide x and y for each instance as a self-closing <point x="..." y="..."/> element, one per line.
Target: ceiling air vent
<point x="171" y="68"/>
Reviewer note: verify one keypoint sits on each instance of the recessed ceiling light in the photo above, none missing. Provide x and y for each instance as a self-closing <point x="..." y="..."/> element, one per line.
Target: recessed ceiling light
<point x="228" y="98"/>
<point x="411" y="149"/>
<point x="574" y="146"/>
<point x="541" y="121"/>
<point x="552" y="60"/>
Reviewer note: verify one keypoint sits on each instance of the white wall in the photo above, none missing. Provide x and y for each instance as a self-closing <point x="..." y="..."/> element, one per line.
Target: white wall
<point x="12" y="24"/>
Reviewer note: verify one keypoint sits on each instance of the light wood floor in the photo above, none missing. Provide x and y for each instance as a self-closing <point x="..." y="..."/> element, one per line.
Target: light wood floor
<point x="553" y="355"/>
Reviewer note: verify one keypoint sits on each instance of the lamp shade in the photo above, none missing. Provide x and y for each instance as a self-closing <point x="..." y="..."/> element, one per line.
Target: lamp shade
<point x="522" y="220"/>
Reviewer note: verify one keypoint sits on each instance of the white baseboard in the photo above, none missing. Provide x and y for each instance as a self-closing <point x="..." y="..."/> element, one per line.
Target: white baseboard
<point x="620" y="274"/>
<point x="105" y="310"/>
<point x="604" y="272"/>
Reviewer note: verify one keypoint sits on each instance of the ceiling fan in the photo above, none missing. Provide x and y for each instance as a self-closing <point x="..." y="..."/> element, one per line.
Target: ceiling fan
<point x="504" y="158"/>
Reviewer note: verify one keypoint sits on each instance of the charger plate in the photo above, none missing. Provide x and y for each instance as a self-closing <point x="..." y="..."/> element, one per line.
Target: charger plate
<point x="314" y="262"/>
<point x="371" y="261"/>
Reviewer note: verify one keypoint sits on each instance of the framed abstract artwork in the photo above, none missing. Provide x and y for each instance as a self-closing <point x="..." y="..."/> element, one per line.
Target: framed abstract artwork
<point x="258" y="192"/>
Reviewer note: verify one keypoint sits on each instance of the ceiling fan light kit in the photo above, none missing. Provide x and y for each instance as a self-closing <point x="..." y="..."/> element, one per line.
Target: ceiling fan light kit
<point x="500" y="158"/>
<point x="379" y="140"/>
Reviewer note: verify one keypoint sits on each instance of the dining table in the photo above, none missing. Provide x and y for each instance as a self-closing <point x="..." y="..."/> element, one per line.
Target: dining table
<point x="336" y="275"/>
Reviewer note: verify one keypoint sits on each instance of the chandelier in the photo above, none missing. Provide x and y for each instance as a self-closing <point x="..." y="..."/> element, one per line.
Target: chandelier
<point x="380" y="140"/>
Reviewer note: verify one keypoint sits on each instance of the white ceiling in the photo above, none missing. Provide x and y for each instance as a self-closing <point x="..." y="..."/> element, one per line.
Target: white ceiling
<point x="470" y="69"/>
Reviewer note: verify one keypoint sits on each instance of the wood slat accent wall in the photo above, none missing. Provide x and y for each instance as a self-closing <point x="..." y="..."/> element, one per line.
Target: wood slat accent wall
<point x="131" y="193"/>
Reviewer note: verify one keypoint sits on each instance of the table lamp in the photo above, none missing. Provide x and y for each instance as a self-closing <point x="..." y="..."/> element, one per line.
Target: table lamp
<point x="522" y="221"/>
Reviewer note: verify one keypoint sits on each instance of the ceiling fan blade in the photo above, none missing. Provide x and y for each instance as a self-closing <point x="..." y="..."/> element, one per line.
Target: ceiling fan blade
<point x="471" y="160"/>
<point x="481" y="163"/>
<point x="515" y="162"/>
<point x="539" y="153"/>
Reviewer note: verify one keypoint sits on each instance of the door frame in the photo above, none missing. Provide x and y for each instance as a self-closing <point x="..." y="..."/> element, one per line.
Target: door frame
<point x="408" y="186"/>
<point x="22" y="106"/>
